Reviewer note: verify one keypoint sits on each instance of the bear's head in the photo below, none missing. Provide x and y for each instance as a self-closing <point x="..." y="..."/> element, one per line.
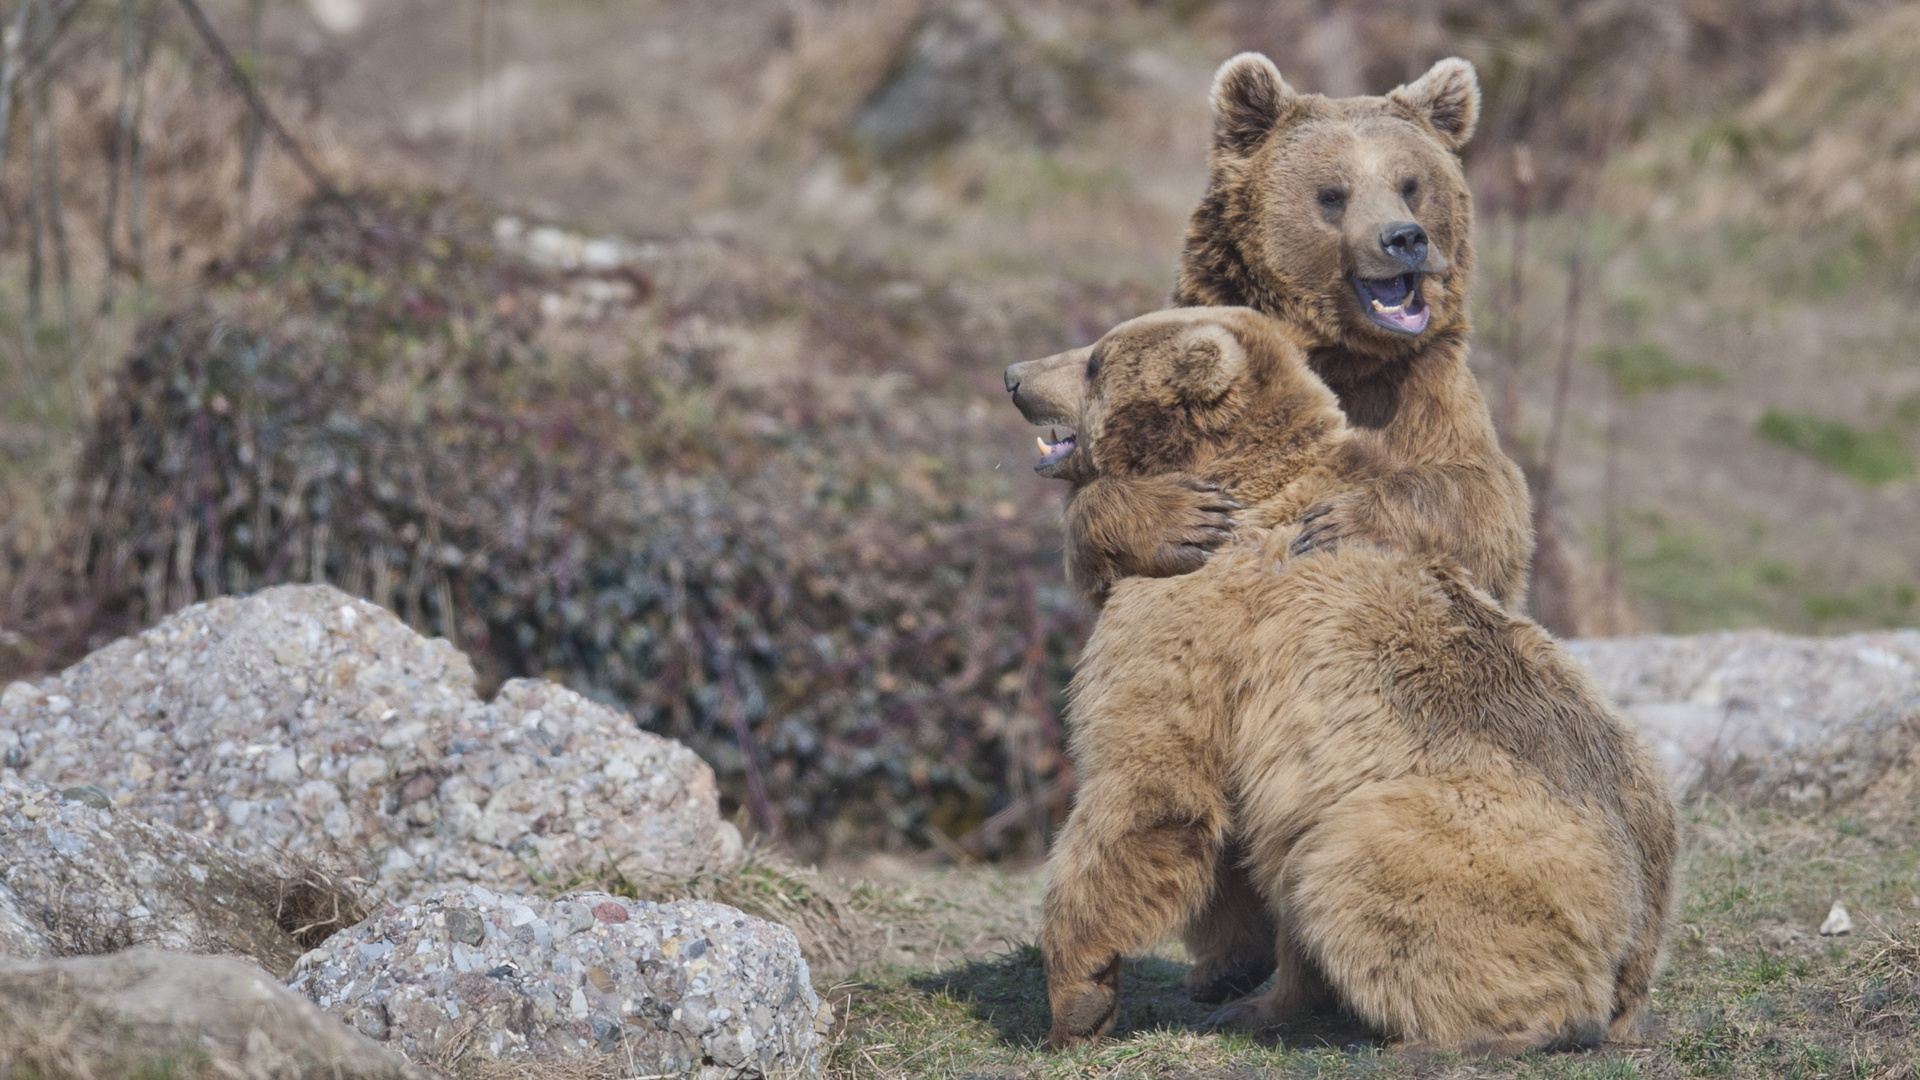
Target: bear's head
<point x="1347" y="218"/>
<point x="1217" y="392"/>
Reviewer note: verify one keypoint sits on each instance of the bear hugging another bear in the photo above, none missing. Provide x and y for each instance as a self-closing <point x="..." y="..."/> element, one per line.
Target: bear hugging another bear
<point x="1330" y="751"/>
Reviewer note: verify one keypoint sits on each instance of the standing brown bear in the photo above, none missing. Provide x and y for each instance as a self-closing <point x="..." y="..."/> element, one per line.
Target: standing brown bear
<point x="1435" y="807"/>
<point x="1349" y="220"/>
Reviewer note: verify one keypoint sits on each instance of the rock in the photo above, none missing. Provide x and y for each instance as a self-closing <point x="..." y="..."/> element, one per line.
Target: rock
<point x="1809" y="720"/>
<point x="304" y="719"/>
<point x="971" y="67"/>
<point x="1838" y="921"/>
<point x="20" y="934"/>
<point x="684" y="987"/>
<point x="80" y="880"/>
<point x="150" y="1013"/>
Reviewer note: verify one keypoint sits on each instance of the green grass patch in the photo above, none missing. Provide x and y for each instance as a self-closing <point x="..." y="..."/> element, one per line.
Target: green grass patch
<point x="1638" y="369"/>
<point x="1869" y="457"/>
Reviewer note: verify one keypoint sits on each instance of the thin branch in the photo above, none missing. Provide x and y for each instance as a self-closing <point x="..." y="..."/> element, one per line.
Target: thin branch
<point x="258" y="104"/>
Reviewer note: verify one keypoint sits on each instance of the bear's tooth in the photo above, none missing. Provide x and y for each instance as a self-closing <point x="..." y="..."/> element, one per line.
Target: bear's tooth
<point x="1043" y="444"/>
<point x="1385" y="309"/>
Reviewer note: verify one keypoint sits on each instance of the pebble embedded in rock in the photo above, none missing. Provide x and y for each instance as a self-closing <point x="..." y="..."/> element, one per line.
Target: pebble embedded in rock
<point x="465" y="926"/>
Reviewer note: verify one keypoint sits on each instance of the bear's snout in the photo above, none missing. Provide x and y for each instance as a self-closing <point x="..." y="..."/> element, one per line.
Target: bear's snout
<point x="1406" y="242"/>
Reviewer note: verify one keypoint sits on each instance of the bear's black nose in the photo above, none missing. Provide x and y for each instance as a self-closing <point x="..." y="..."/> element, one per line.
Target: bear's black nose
<point x="1013" y="381"/>
<point x="1405" y="241"/>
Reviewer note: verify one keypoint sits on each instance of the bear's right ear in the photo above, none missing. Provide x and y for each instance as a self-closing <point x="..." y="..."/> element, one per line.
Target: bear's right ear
<point x="1249" y="99"/>
<point x="1208" y="360"/>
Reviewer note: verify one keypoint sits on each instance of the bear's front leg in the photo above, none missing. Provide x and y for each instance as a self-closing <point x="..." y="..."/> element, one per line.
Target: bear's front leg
<point x="1131" y="865"/>
<point x="1143" y="526"/>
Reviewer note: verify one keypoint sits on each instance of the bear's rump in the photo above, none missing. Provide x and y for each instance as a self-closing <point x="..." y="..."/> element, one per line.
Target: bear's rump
<point x="1463" y="909"/>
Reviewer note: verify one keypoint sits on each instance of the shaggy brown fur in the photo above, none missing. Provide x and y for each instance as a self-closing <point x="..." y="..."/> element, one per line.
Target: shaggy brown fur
<point x="1442" y="820"/>
<point x="1306" y="198"/>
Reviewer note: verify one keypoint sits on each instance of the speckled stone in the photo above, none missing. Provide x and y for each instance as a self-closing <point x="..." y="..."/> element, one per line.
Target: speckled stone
<point x="143" y="1012"/>
<point x="1809" y="720"/>
<point x="300" y="717"/>
<point x="78" y="879"/>
<point x="686" y="987"/>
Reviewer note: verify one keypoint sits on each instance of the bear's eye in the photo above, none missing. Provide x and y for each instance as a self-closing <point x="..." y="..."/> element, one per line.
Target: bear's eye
<point x="1409" y="189"/>
<point x="1332" y="198"/>
<point x="1093" y="367"/>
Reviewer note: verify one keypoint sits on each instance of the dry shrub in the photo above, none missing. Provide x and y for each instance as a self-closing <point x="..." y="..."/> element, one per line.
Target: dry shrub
<point x="313" y="897"/>
<point x="836" y="936"/>
<point x="800" y="558"/>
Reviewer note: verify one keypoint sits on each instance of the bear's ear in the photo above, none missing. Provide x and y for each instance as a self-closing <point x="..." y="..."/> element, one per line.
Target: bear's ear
<point x="1447" y="97"/>
<point x="1249" y="99"/>
<point x="1206" y="362"/>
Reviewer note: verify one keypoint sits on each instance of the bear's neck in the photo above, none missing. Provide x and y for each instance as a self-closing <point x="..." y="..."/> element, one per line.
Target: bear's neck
<point x="1369" y="387"/>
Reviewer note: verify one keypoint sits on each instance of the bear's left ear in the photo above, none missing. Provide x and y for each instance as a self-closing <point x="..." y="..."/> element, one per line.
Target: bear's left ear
<point x="1208" y="360"/>
<point x="1447" y="97"/>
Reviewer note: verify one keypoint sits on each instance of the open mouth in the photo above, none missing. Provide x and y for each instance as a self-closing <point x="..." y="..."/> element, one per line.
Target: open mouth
<point x="1054" y="450"/>
<point x="1394" y="302"/>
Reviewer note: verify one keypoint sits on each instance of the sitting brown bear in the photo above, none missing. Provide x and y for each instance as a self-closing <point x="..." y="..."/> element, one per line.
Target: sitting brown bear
<point x="1449" y="827"/>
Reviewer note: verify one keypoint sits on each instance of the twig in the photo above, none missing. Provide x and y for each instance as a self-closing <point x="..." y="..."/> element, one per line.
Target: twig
<point x="258" y="104"/>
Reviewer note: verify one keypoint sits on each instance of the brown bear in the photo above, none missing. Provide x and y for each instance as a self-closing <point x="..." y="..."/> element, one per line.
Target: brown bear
<point x="1349" y="220"/>
<point x="1446" y="824"/>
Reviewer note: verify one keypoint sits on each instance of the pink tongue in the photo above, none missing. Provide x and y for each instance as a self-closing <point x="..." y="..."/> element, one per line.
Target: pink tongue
<point x="1411" y="321"/>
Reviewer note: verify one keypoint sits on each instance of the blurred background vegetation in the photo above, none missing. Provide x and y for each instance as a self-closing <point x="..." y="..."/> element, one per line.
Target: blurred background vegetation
<point x="656" y="346"/>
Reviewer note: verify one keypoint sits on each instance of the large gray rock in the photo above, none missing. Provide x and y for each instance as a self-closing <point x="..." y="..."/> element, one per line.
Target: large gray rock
<point x="150" y="1013"/>
<point x="686" y="987"/>
<point x="302" y="718"/>
<point x="79" y="878"/>
<point x="1810" y="720"/>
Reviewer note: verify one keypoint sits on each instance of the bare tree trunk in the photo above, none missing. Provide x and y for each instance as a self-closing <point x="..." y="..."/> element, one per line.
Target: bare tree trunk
<point x="36" y="210"/>
<point x="117" y="155"/>
<point x="1506" y="417"/>
<point x="137" y="159"/>
<point x="1610" y="524"/>
<point x="56" y="217"/>
<point x="9" y="66"/>
<point x="250" y="160"/>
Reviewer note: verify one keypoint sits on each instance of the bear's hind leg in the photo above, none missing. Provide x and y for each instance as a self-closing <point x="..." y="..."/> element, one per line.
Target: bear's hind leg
<point x="1297" y="986"/>
<point x="1232" y="940"/>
